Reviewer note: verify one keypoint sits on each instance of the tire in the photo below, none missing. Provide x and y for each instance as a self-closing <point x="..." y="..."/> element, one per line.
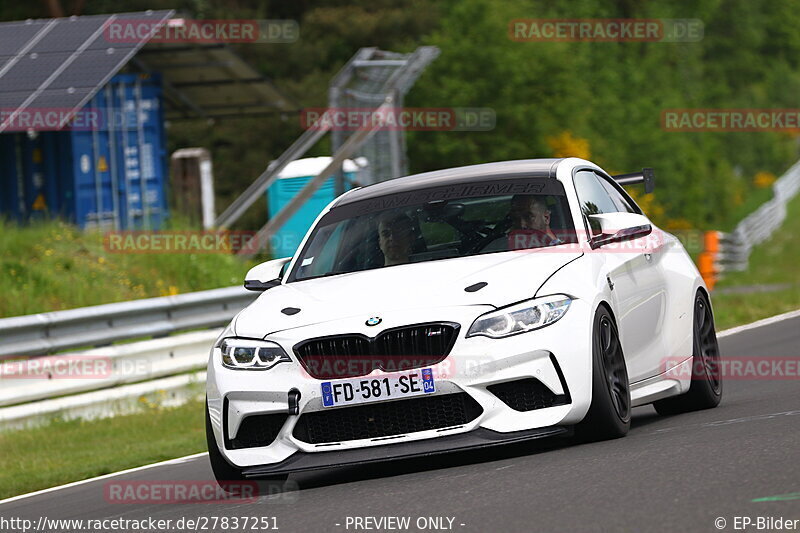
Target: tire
<point x="705" y="391"/>
<point x="228" y="476"/>
<point x="609" y="415"/>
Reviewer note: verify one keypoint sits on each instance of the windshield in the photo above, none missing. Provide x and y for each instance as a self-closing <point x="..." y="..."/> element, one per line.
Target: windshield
<point x="376" y="234"/>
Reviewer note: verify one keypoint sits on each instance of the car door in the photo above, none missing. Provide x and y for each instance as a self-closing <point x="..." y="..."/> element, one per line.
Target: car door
<point x="637" y="288"/>
<point x="652" y="361"/>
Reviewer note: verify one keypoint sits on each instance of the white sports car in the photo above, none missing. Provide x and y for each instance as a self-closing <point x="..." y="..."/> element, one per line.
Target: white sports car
<point x="458" y="309"/>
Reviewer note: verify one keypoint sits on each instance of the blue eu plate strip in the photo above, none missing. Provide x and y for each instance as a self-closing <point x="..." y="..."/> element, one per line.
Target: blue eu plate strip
<point x="327" y="396"/>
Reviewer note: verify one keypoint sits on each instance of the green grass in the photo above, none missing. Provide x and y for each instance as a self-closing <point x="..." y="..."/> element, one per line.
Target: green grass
<point x="66" y="451"/>
<point x="755" y="198"/>
<point x="773" y="262"/>
<point x="734" y="309"/>
<point x="48" y="266"/>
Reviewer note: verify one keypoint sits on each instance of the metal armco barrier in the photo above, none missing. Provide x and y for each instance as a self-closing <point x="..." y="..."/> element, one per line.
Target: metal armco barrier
<point x="727" y="252"/>
<point x="53" y="376"/>
<point x="167" y="392"/>
<point x="100" y="325"/>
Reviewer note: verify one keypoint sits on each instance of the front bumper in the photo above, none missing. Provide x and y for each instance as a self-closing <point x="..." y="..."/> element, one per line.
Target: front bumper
<point x="558" y="356"/>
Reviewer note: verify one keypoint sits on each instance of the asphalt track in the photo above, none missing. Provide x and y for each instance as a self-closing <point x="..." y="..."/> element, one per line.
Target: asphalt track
<point x="679" y="473"/>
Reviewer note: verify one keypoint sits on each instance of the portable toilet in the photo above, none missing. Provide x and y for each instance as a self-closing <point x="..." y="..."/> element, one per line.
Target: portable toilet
<point x="291" y="181"/>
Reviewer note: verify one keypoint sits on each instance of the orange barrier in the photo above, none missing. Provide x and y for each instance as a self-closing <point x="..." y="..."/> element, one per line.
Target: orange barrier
<point x="706" y="262"/>
<point x="711" y="242"/>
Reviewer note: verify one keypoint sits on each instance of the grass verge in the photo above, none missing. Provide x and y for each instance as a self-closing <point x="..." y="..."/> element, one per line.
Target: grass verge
<point x="48" y="266"/>
<point x="66" y="451"/>
<point x="732" y="310"/>
<point x="774" y="262"/>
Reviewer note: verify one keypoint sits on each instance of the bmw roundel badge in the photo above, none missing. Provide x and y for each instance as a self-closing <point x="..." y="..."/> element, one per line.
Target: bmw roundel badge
<point x="374" y="321"/>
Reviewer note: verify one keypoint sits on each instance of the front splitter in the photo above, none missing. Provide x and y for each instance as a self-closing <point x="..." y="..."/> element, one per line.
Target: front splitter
<point x="475" y="439"/>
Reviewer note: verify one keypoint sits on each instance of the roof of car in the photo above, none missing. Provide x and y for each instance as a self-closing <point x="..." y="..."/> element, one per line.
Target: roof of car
<point x="532" y="168"/>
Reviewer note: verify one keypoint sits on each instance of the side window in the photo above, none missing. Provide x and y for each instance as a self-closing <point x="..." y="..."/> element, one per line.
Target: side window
<point x="593" y="197"/>
<point x="622" y="204"/>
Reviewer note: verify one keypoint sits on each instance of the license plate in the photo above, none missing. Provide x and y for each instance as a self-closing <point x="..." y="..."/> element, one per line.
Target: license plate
<point x="363" y="390"/>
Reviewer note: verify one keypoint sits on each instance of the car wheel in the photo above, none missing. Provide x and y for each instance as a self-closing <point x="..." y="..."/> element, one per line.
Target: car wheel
<point x="228" y="476"/>
<point x="609" y="415"/>
<point x="705" y="390"/>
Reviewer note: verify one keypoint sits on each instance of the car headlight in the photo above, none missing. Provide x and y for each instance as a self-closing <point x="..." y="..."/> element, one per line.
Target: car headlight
<point x="251" y="354"/>
<point x="521" y="317"/>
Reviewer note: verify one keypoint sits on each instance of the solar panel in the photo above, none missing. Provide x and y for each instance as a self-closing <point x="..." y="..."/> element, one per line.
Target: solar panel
<point x="30" y="72"/>
<point x="68" y="34"/>
<point x="212" y="79"/>
<point x="14" y="35"/>
<point x="63" y="98"/>
<point x="12" y="100"/>
<point x="62" y="63"/>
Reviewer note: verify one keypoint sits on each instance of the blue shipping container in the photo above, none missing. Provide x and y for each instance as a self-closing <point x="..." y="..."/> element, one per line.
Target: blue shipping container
<point x="110" y="176"/>
<point x="25" y="193"/>
<point x="9" y="178"/>
<point x="290" y="181"/>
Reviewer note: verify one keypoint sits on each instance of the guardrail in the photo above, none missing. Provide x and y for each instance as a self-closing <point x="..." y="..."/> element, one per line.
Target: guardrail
<point x="166" y="367"/>
<point x="164" y="392"/>
<point x="726" y="252"/>
<point x="104" y="381"/>
<point x="100" y="368"/>
<point x="99" y="325"/>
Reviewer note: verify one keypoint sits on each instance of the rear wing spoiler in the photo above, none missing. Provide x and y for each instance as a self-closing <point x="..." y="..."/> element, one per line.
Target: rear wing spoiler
<point x="646" y="176"/>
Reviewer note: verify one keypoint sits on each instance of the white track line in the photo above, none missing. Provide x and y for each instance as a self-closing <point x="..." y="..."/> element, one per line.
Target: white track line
<point x="727" y="332"/>
<point x="179" y="460"/>
<point x="760" y="323"/>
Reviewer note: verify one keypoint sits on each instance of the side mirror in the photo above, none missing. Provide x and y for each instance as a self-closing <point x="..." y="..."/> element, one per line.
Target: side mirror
<point x="618" y="227"/>
<point x="266" y="275"/>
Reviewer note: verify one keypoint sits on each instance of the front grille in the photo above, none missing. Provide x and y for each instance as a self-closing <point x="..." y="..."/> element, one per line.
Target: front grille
<point x="256" y="430"/>
<point x="527" y="394"/>
<point x="376" y="420"/>
<point x="403" y="348"/>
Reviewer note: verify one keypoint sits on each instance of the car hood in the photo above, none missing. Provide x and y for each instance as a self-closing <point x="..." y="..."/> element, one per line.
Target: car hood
<point x="509" y="277"/>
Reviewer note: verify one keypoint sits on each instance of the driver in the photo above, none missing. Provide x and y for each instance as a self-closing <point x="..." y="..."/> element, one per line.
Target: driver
<point x="530" y="212"/>
<point x="530" y="225"/>
<point x="395" y="238"/>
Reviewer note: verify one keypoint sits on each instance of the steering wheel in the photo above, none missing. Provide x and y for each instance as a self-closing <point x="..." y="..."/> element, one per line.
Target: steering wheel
<point x="491" y="234"/>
